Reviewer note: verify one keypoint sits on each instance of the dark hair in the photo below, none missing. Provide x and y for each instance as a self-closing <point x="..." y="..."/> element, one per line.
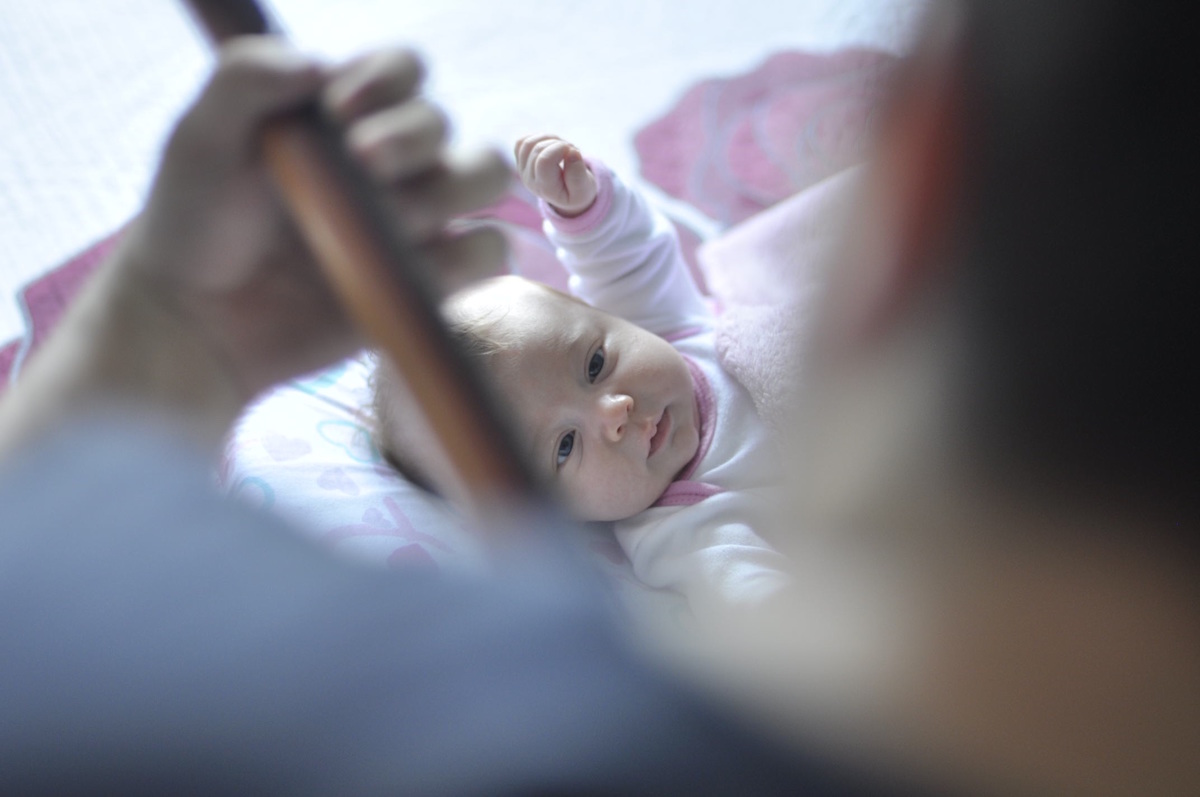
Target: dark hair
<point x="1078" y="236"/>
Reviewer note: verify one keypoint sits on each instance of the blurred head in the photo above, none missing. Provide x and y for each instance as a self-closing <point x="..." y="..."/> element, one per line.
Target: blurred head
<point x="997" y="398"/>
<point x="1078" y="170"/>
<point x="606" y="411"/>
<point x="1034" y="198"/>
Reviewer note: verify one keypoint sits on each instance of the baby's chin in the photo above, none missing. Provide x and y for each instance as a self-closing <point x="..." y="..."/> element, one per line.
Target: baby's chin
<point x="613" y="510"/>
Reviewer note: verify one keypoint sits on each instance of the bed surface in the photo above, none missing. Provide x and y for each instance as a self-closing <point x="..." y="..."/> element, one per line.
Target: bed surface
<point x="717" y="114"/>
<point x="88" y="90"/>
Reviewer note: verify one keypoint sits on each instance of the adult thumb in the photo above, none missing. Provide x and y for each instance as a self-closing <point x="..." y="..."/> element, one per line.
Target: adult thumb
<point x="256" y="77"/>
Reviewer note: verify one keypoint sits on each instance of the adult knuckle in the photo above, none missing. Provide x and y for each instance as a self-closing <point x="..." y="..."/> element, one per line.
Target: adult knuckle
<point x="438" y="123"/>
<point x="239" y="60"/>
<point x="403" y="66"/>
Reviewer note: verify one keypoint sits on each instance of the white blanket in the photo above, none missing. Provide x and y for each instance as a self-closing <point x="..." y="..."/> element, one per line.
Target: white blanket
<point x="88" y="89"/>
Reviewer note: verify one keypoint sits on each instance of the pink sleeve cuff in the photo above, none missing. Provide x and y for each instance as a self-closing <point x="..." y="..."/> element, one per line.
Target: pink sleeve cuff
<point x="591" y="217"/>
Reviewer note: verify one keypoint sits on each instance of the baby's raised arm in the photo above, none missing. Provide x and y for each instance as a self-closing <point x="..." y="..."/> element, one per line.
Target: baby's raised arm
<point x="623" y="257"/>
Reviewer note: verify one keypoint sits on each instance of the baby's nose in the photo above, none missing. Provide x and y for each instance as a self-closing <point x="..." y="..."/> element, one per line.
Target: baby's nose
<point x="614" y="415"/>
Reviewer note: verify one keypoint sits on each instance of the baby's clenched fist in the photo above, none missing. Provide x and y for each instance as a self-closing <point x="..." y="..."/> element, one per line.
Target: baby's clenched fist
<point x="554" y="170"/>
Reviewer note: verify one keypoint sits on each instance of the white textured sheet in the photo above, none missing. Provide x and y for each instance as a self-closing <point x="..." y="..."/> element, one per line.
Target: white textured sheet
<point x="88" y="89"/>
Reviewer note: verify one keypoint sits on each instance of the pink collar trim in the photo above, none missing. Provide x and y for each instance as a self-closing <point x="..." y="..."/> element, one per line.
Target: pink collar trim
<point x="706" y="417"/>
<point x="680" y="334"/>
<point x="686" y="493"/>
<point x="683" y="491"/>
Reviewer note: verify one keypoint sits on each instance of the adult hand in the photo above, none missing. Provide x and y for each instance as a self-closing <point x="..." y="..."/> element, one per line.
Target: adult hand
<point x="215" y="245"/>
<point x="211" y="296"/>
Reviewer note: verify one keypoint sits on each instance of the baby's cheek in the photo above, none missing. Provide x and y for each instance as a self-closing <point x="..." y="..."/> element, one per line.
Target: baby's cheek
<point x="608" y="495"/>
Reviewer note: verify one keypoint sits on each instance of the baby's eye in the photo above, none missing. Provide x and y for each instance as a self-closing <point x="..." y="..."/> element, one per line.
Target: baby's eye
<point x="595" y="365"/>
<point x="565" y="446"/>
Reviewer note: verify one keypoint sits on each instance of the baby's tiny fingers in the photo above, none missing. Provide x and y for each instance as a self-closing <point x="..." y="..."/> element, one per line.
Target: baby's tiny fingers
<point x="577" y="176"/>
<point x="525" y="146"/>
<point x="546" y="159"/>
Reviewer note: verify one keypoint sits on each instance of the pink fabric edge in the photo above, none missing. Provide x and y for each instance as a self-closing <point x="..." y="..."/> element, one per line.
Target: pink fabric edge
<point x="706" y="414"/>
<point x="687" y="493"/>
<point x="683" y="491"/>
<point x="591" y="217"/>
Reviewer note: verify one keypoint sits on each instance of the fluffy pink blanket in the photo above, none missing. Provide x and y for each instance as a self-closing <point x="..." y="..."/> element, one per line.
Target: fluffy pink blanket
<point x="763" y="272"/>
<point x="771" y="153"/>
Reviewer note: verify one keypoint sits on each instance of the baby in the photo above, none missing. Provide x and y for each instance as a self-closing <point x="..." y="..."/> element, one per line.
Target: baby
<point x="617" y="392"/>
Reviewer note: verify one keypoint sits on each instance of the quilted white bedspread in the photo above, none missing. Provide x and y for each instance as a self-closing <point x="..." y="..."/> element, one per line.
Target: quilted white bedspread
<point x="88" y="89"/>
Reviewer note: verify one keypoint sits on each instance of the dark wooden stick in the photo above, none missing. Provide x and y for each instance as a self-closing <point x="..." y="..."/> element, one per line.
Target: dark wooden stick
<point x="379" y="279"/>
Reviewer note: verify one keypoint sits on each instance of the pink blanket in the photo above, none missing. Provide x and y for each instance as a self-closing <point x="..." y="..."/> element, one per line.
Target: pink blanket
<point x="765" y="271"/>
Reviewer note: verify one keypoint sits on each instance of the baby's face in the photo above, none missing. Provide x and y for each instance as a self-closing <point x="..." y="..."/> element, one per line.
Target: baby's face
<point x="606" y="410"/>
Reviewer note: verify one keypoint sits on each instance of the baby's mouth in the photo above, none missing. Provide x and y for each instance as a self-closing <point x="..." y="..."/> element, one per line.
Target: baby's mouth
<point x="662" y="429"/>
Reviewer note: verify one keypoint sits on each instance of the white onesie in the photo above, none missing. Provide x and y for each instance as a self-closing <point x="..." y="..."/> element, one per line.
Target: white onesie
<point x="699" y="538"/>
